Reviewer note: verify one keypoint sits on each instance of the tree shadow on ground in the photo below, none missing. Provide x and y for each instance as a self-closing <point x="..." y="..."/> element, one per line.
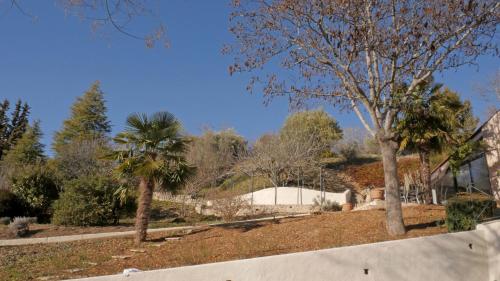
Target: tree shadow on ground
<point x="178" y="234"/>
<point x="32" y="232"/>
<point x="424" y="225"/>
<point x="243" y="226"/>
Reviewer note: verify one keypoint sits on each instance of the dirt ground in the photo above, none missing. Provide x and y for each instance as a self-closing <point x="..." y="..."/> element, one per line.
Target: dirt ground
<point x="214" y="244"/>
<point x="48" y="230"/>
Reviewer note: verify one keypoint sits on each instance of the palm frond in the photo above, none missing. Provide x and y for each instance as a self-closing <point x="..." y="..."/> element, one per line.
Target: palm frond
<point x="164" y="120"/>
<point x="152" y="147"/>
<point x="137" y="123"/>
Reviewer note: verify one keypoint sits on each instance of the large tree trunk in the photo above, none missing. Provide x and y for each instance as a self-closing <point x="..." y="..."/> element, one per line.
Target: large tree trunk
<point x="425" y="174"/>
<point x="394" y="213"/>
<point x="143" y="210"/>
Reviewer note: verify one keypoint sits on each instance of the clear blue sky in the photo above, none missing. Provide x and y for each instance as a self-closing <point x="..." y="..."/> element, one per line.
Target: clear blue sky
<point x="51" y="61"/>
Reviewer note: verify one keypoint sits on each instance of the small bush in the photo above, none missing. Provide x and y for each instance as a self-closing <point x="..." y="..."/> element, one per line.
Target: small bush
<point x="88" y="201"/>
<point x="19" y="227"/>
<point x="10" y="204"/>
<point x="348" y="150"/>
<point x="323" y="204"/>
<point x="464" y="211"/>
<point x="228" y="208"/>
<point x="37" y="188"/>
<point x="4" y="220"/>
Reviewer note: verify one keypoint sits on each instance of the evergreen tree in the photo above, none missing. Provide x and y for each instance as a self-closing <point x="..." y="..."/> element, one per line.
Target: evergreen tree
<point x="4" y="125"/>
<point x="28" y="149"/>
<point x="88" y="119"/>
<point x="18" y="122"/>
<point x="436" y="121"/>
<point x="312" y="128"/>
<point x="13" y="128"/>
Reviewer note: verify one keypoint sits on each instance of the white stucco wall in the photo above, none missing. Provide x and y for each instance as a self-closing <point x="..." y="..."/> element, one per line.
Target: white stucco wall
<point x="294" y="195"/>
<point x="464" y="256"/>
<point x="491" y="233"/>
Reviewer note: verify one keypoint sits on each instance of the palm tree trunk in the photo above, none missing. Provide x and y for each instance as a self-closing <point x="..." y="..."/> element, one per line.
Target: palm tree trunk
<point x="394" y="212"/>
<point x="425" y="173"/>
<point x="143" y="210"/>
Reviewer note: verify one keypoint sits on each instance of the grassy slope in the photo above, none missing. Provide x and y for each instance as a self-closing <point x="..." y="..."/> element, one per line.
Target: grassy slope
<point x="235" y="185"/>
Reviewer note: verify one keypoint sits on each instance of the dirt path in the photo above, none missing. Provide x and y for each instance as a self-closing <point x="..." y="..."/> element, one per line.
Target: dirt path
<point x="100" y="232"/>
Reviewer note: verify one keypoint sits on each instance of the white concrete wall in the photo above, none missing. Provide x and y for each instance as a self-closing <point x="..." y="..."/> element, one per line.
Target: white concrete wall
<point x="294" y="195"/>
<point x="491" y="234"/>
<point x="464" y="256"/>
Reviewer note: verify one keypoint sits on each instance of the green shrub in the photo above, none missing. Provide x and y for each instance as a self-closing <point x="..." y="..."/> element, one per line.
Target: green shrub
<point x="127" y="207"/>
<point x="464" y="211"/>
<point x="88" y="201"/>
<point x="10" y="205"/>
<point x="37" y="188"/>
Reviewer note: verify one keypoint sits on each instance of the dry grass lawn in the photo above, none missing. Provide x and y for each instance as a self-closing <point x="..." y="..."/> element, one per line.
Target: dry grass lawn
<point x="215" y="244"/>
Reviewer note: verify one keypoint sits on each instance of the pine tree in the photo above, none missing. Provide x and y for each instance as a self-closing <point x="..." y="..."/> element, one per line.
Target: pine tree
<point x="4" y="125"/>
<point x="28" y="149"/>
<point x="19" y="122"/>
<point x="13" y="128"/>
<point x="88" y="119"/>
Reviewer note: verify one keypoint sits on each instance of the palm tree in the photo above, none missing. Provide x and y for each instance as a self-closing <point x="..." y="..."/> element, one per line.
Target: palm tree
<point x="151" y="149"/>
<point x="434" y="121"/>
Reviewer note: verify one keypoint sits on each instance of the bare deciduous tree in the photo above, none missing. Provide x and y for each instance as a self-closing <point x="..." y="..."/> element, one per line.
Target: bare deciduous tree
<point x="357" y="53"/>
<point x="282" y="157"/>
<point x="491" y="87"/>
<point x="266" y="158"/>
<point x="115" y="14"/>
<point x="214" y="154"/>
<point x="83" y="158"/>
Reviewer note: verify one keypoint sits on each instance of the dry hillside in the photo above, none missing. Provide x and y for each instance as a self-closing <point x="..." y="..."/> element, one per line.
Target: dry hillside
<point x="372" y="174"/>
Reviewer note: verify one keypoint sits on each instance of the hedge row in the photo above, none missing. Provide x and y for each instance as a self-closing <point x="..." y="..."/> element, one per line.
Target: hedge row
<point x="465" y="211"/>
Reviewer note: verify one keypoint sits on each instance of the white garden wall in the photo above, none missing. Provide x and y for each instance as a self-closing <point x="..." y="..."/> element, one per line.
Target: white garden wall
<point x="464" y="256"/>
<point x="294" y="195"/>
